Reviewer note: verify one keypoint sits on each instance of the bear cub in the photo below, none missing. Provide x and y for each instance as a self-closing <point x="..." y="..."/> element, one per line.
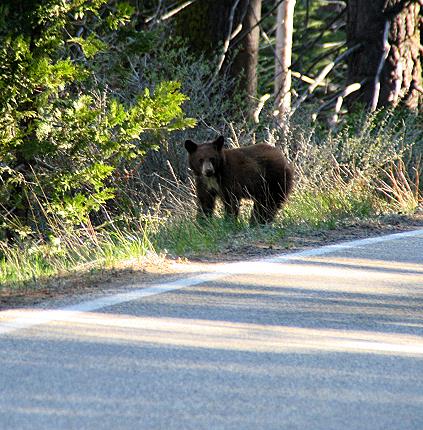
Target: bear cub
<point x="258" y="172"/>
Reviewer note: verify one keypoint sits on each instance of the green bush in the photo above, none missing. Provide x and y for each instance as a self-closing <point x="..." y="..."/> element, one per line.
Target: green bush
<point x="63" y="134"/>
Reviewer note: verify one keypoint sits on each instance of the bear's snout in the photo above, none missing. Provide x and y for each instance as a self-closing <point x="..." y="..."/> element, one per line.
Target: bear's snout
<point x="207" y="169"/>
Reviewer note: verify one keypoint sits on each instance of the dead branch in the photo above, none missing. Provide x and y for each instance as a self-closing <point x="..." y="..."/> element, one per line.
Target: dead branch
<point x="259" y="108"/>
<point x="171" y="12"/>
<point x="305" y="78"/>
<point x="228" y="39"/>
<point x="386" y="49"/>
<point x="322" y="75"/>
<point x="339" y="98"/>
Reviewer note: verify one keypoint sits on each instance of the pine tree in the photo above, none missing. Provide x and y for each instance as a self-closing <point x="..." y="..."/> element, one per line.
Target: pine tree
<point x="388" y="61"/>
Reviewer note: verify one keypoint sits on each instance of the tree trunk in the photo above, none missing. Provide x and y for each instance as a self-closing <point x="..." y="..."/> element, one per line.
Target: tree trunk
<point x="209" y="28"/>
<point x="389" y="58"/>
<point x="204" y="24"/>
<point x="283" y="55"/>
<point x="245" y="62"/>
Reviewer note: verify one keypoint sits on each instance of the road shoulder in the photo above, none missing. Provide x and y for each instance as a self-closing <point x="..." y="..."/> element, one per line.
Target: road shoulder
<point x="147" y="271"/>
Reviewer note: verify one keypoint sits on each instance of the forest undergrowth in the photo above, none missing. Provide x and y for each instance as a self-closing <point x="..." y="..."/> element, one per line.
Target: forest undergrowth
<point x="343" y="177"/>
<point x="93" y="170"/>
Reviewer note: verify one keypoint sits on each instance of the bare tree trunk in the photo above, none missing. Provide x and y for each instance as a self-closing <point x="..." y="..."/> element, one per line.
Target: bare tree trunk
<point x="389" y="59"/>
<point x="284" y="32"/>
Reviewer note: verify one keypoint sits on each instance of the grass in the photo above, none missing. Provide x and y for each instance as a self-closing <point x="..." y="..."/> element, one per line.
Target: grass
<point x="339" y="178"/>
<point x="307" y="210"/>
<point x="28" y="265"/>
<point x="182" y="236"/>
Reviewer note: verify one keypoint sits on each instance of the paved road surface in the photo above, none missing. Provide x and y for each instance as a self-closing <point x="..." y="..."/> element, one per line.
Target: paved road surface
<point x="328" y="339"/>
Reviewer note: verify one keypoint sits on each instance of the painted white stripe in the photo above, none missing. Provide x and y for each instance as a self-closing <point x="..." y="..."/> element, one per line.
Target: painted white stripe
<point x="217" y="272"/>
<point x="324" y="250"/>
<point x="398" y="348"/>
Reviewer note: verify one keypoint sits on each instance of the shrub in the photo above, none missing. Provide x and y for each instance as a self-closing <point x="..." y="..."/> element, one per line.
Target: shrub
<point x="63" y="135"/>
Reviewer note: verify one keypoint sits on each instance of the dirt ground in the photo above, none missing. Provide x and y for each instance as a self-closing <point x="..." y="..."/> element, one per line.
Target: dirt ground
<point x="153" y="268"/>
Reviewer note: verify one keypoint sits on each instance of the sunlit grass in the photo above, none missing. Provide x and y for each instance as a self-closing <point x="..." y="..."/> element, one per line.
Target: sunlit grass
<point x="181" y="235"/>
<point x="309" y="208"/>
<point x="319" y="207"/>
<point x="350" y="176"/>
<point x="33" y="263"/>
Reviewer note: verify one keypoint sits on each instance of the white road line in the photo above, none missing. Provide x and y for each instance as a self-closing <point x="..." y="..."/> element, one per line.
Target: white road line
<point x="219" y="271"/>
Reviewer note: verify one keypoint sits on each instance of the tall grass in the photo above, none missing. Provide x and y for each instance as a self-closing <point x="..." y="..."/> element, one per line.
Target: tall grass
<point x="71" y="250"/>
<point x="360" y="172"/>
<point x="355" y="173"/>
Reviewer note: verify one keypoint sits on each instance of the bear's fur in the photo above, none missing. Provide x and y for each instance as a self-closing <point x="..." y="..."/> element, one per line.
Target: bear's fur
<point x="258" y="172"/>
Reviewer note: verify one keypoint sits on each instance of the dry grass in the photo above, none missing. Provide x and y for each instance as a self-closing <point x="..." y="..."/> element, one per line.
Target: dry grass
<point x="350" y="175"/>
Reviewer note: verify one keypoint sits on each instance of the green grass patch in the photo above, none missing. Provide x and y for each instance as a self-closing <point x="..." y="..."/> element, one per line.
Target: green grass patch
<point x="27" y="265"/>
<point x="317" y="208"/>
<point x="184" y="236"/>
<point x="310" y="208"/>
<point x="307" y="209"/>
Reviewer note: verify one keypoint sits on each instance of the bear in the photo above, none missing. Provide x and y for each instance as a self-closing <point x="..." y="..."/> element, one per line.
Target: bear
<point x="258" y="172"/>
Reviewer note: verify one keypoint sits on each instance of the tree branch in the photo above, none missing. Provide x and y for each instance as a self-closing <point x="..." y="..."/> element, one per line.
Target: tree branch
<point x="344" y="93"/>
<point x="304" y="78"/>
<point x="259" y="108"/>
<point x="339" y="100"/>
<point x="322" y="75"/>
<point x="229" y="37"/>
<point x="386" y="49"/>
<point x="171" y="12"/>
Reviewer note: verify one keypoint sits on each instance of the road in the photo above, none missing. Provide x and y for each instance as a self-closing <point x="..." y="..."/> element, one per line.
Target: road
<point x="329" y="338"/>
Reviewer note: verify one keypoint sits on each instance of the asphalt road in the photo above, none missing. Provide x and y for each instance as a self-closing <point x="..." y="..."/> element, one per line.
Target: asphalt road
<point x="328" y="339"/>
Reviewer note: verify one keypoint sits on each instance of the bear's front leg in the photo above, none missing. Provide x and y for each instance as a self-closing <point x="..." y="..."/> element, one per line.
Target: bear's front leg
<point x="206" y="201"/>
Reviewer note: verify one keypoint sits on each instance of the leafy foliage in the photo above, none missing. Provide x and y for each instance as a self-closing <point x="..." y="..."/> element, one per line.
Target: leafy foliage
<point x="62" y="134"/>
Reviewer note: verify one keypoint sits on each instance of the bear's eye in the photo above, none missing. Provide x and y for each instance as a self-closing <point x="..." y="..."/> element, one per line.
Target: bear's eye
<point x="201" y="160"/>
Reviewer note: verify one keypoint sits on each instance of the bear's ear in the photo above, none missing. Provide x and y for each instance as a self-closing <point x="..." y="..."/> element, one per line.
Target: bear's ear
<point x="190" y="146"/>
<point x="218" y="143"/>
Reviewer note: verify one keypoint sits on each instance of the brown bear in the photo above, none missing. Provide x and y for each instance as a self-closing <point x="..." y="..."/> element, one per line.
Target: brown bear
<point x="258" y="172"/>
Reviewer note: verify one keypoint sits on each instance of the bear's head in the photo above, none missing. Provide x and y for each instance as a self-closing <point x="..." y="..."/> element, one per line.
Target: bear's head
<point x="205" y="159"/>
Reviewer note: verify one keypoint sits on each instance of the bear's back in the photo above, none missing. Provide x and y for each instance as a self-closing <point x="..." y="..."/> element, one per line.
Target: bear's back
<point x="257" y="157"/>
<point x="246" y="168"/>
